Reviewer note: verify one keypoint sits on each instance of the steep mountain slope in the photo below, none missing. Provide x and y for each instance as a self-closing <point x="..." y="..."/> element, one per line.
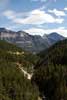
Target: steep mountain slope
<point x="13" y="84"/>
<point x="29" y="42"/>
<point x="51" y="72"/>
<point x="22" y="39"/>
<point x="54" y="37"/>
<point x="55" y="51"/>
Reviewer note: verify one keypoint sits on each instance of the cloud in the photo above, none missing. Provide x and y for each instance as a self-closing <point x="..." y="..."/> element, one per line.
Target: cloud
<point x="33" y="17"/>
<point x="65" y="8"/>
<point x="61" y="30"/>
<point x="10" y="14"/>
<point x="39" y="0"/>
<point x="57" y="12"/>
<point x="36" y="31"/>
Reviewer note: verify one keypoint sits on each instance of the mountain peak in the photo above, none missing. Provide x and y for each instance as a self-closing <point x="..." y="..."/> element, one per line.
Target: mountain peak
<point x="6" y="30"/>
<point x="32" y="43"/>
<point x="22" y="33"/>
<point x="55" y="36"/>
<point x="2" y="29"/>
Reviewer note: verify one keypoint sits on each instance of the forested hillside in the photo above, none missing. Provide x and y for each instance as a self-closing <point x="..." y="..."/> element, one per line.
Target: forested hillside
<point x="12" y="53"/>
<point x="13" y="84"/>
<point x="51" y="72"/>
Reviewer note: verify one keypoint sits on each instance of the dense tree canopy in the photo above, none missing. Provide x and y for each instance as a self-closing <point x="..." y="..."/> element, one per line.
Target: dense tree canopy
<point x="51" y="72"/>
<point x="13" y="84"/>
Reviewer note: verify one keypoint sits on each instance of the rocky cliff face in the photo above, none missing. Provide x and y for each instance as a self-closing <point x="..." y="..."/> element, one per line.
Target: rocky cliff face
<point x="29" y="42"/>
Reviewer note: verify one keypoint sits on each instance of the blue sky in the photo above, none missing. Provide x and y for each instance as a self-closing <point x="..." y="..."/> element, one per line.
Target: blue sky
<point x="34" y="16"/>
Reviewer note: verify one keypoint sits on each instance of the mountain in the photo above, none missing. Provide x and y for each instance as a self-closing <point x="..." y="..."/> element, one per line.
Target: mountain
<point x="13" y="84"/>
<point x="22" y="39"/>
<point x="12" y="53"/>
<point x="50" y="73"/>
<point x="7" y="35"/>
<point x="54" y="37"/>
<point x="32" y="43"/>
<point x="55" y="54"/>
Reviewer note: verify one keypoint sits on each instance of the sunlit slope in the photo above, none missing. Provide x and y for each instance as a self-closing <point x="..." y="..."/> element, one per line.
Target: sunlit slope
<point x="13" y="84"/>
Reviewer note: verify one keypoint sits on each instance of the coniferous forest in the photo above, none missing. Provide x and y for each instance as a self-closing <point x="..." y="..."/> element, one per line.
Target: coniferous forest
<point x="33" y="49"/>
<point x="49" y="70"/>
<point x="13" y="84"/>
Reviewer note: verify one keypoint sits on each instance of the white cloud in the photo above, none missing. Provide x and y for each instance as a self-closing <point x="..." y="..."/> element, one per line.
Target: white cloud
<point x="65" y="8"/>
<point x="9" y="14"/>
<point x="61" y="30"/>
<point x="34" y="0"/>
<point x="35" y="31"/>
<point x="34" y="17"/>
<point x="13" y="27"/>
<point x="57" y="12"/>
<point x="43" y="0"/>
<point x="39" y="0"/>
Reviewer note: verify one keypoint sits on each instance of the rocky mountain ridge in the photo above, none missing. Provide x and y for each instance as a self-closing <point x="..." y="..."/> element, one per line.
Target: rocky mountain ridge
<point x="32" y="43"/>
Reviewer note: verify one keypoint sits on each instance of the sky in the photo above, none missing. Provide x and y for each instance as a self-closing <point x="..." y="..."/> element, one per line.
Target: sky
<point x="34" y="16"/>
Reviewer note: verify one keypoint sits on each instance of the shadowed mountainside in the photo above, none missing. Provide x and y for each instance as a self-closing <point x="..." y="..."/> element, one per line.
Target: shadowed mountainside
<point x="50" y="73"/>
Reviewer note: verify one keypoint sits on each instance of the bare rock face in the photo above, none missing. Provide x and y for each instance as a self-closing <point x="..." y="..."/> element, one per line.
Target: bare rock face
<point x="29" y="42"/>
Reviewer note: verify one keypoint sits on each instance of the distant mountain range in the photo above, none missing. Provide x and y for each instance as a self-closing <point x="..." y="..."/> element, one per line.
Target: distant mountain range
<point x="33" y="43"/>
